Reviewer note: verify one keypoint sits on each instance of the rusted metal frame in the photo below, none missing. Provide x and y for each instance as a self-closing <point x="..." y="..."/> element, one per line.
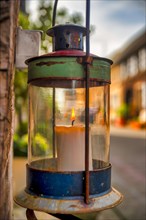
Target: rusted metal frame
<point x="53" y="121"/>
<point x="65" y="217"/>
<point x="69" y="78"/>
<point x="87" y="104"/>
<point x="87" y="138"/>
<point x="54" y="12"/>
<point x="54" y="94"/>
<point x="31" y="216"/>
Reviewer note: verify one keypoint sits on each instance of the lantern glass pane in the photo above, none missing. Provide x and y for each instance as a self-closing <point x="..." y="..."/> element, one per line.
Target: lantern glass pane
<point x="40" y="123"/>
<point x="57" y="126"/>
<point x="99" y="124"/>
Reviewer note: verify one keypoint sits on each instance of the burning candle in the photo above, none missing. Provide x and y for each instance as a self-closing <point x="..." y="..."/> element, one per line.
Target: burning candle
<point x="73" y="116"/>
<point x="70" y="142"/>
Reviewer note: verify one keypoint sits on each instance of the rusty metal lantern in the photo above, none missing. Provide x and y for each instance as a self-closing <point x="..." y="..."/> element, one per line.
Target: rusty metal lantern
<point x="68" y="168"/>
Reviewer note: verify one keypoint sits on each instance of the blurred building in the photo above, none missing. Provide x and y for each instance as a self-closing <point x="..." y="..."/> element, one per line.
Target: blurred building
<point x="128" y="88"/>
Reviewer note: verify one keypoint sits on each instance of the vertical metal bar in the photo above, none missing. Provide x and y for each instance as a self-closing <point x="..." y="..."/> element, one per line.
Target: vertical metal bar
<point x="54" y="95"/>
<point x="87" y="27"/>
<point x="54" y="12"/>
<point x="65" y="216"/>
<point x="53" y="123"/>
<point x="30" y="214"/>
<point x="87" y="105"/>
<point x="104" y="104"/>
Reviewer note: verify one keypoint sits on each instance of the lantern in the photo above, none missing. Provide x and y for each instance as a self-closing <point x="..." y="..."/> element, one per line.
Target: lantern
<point x="68" y="168"/>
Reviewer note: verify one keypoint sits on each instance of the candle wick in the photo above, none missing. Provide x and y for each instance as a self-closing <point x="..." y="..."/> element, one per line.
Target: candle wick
<point x="73" y="122"/>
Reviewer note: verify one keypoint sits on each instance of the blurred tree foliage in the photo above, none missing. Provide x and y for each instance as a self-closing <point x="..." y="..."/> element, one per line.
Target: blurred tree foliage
<point x="43" y="22"/>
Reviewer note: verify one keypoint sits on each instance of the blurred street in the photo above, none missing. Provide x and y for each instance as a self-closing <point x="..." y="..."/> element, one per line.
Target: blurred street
<point x="128" y="161"/>
<point x="128" y="176"/>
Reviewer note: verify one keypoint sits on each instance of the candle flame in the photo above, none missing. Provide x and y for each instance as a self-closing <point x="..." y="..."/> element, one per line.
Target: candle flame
<point x="73" y="114"/>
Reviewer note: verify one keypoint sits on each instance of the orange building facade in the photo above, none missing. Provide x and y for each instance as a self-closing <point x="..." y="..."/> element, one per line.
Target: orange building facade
<point x="128" y="88"/>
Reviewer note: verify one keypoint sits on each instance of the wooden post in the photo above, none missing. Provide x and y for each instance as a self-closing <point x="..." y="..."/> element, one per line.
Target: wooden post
<point x="8" y="23"/>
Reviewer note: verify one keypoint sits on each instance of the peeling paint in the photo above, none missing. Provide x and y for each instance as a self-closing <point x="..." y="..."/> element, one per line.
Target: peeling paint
<point x="50" y="63"/>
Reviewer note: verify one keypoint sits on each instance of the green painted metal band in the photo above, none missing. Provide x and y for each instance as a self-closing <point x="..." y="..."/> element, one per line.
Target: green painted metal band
<point x="67" y="67"/>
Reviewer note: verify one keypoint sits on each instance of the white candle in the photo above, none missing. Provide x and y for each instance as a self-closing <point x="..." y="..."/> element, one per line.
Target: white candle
<point x="70" y="142"/>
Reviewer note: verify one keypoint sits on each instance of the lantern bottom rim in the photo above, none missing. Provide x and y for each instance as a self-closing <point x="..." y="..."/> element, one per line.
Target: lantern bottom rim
<point x="58" y="206"/>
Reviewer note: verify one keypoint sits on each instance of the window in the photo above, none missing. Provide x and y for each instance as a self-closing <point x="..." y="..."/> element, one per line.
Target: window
<point x="132" y="65"/>
<point x="142" y="59"/>
<point x="115" y="102"/>
<point x="123" y="71"/>
<point x="143" y="95"/>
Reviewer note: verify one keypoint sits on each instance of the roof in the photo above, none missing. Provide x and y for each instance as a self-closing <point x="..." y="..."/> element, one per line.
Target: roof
<point x="131" y="47"/>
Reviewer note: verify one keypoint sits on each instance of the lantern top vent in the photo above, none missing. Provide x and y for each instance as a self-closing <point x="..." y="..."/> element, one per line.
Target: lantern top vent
<point x="67" y="37"/>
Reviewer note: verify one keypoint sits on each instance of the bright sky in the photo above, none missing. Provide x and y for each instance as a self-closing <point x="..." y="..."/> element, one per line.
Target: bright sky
<point x="115" y="21"/>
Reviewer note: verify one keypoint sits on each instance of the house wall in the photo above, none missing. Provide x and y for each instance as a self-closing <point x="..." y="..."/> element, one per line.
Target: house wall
<point x="129" y="82"/>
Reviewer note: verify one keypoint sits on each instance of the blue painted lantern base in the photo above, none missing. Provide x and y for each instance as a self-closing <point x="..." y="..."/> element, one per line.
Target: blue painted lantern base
<point x="66" y="185"/>
<point x="63" y="192"/>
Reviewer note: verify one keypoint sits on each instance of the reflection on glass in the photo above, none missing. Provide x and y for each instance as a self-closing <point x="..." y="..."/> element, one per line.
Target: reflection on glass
<point x="69" y="127"/>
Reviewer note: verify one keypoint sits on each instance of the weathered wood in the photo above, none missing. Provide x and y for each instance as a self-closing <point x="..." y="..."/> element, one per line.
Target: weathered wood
<point x="8" y="23"/>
